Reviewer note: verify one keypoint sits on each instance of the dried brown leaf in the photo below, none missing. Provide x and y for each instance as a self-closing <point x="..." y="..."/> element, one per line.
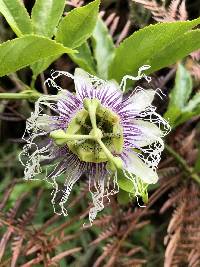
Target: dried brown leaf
<point x="183" y="237"/>
<point x="66" y="253"/>
<point x="4" y="241"/>
<point x="16" y="248"/>
<point x="175" y="11"/>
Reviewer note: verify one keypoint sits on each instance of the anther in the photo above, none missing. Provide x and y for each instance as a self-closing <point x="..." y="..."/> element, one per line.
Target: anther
<point x="112" y="135"/>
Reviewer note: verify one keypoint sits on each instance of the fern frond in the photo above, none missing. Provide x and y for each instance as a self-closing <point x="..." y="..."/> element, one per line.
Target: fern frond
<point x="103" y="220"/>
<point x="7" y="193"/>
<point x="107" y="250"/>
<point x="177" y="194"/>
<point x="4" y="241"/>
<point x="16" y="248"/>
<point x="183" y="236"/>
<point x="111" y="231"/>
<point x="61" y="255"/>
<point x="134" y="263"/>
<point x="183" y="15"/>
<point x="158" y="11"/>
<point x="173" y="8"/>
<point x="165" y="173"/>
<point x="175" y="11"/>
<point x="195" y="55"/>
<point x="195" y="71"/>
<point x="10" y="214"/>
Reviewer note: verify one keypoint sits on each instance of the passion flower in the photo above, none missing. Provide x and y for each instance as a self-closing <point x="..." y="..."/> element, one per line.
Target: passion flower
<point x="99" y="131"/>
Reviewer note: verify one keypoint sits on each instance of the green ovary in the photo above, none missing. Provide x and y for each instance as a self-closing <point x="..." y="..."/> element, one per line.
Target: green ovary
<point x="84" y="138"/>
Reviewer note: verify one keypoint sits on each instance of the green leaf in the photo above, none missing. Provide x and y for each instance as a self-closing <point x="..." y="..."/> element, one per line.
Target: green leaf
<point x="193" y="103"/>
<point x="180" y="48"/>
<point x="46" y="26"/>
<point x="148" y="44"/>
<point x="185" y="116"/>
<point x="123" y="197"/>
<point x="179" y="94"/>
<point x="84" y="58"/>
<point x="190" y="110"/>
<point x="197" y="163"/>
<point x="17" y="16"/>
<point x="125" y="183"/>
<point x="78" y="25"/>
<point x="46" y="15"/>
<point x="179" y="108"/>
<point x="27" y="186"/>
<point x="24" y="51"/>
<point x="103" y="48"/>
<point x="127" y="186"/>
<point x="42" y="65"/>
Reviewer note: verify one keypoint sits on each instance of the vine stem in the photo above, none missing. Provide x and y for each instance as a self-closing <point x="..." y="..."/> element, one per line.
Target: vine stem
<point x="183" y="163"/>
<point x="29" y="95"/>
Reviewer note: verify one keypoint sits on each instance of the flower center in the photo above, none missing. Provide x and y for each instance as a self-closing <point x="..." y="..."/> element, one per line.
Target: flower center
<point x="94" y="134"/>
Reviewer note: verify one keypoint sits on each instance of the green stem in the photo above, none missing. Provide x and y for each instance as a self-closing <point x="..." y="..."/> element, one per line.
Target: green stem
<point x="183" y="163"/>
<point x="29" y="95"/>
<point x="33" y="82"/>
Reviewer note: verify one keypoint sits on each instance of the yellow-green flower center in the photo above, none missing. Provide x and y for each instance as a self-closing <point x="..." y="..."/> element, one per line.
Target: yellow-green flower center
<point x="94" y="134"/>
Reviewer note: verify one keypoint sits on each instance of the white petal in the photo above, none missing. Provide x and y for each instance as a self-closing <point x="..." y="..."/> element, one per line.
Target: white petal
<point x="110" y="93"/>
<point x="114" y="86"/>
<point x="44" y="123"/>
<point x="82" y="81"/>
<point x="142" y="99"/>
<point x="150" y="133"/>
<point x="140" y="169"/>
<point x="80" y="73"/>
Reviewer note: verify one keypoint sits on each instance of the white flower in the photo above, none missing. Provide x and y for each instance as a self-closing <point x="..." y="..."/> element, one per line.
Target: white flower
<point x="99" y="131"/>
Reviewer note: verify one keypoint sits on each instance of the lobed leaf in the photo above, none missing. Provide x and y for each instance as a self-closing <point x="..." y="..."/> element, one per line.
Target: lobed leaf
<point x="46" y="15"/>
<point x="26" y="50"/>
<point x="17" y="16"/>
<point x="78" y="25"/>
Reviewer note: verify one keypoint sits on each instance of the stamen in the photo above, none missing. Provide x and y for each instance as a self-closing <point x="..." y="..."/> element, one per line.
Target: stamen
<point x="61" y="138"/>
<point x="112" y="135"/>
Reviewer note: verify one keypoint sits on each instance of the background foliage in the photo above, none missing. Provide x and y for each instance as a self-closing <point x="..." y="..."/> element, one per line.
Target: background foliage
<point x="109" y="41"/>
